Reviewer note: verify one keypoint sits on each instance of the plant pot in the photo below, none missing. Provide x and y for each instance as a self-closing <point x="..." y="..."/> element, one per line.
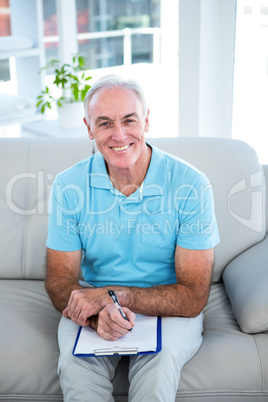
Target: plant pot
<point x="71" y="114"/>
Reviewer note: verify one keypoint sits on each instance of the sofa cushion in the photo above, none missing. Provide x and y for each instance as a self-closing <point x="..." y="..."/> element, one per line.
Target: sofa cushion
<point x="246" y="283"/>
<point x="28" y="341"/>
<point x="29" y="347"/>
<point x="230" y="365"/>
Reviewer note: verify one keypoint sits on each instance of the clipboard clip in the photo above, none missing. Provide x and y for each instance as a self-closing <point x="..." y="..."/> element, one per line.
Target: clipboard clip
<point x="115" y="351"/>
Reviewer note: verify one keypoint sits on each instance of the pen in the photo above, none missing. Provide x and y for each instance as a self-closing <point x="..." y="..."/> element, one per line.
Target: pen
<point x="118" y="305"/>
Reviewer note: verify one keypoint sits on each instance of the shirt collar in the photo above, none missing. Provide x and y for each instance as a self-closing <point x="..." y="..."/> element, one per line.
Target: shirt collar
<point x="155" y="177"/>
<point x="153" y="183"/>
<point x="99" y="177"/>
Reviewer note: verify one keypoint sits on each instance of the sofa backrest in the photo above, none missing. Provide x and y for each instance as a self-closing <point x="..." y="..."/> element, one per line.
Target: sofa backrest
<point x="238" y="184"/>
<point x="29" y="167"/>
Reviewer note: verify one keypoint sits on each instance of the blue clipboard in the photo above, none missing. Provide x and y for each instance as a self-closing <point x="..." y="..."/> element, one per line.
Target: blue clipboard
<point x="114" y="348"/>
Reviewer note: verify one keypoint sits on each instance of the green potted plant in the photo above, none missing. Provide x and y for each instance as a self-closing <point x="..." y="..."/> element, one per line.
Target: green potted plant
<point x="72" y="81"/>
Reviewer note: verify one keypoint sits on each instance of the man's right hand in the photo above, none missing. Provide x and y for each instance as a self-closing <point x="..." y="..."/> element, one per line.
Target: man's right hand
<point x="84" y="303"/>
<point x="108" y="322"/>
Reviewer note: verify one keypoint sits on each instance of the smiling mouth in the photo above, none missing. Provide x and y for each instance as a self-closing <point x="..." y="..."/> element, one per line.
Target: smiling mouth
<point x="120" y="148"/>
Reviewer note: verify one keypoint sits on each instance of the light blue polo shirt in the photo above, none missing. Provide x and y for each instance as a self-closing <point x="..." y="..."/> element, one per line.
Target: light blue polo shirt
<point x="131" y="241"/>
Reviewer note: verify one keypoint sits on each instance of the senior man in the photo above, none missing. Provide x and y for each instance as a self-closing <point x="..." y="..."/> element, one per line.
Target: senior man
<point x="137" y="221"/>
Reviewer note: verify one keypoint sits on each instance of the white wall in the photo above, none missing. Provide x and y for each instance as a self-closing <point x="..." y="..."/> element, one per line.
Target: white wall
<point x="206" y="65"/>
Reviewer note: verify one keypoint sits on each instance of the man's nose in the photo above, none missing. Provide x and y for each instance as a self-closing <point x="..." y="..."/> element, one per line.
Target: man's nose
<point x="119" y="132"/>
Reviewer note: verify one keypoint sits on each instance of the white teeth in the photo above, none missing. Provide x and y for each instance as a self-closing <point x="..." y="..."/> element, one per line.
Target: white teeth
<point x="121" y="148"/>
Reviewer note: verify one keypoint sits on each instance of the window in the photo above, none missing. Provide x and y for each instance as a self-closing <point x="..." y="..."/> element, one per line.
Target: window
<point x="135" y="38"/>
<point x="250" y="106"/>
<point x="8" y="82"/>
<point x="109" y="19"/>
<point x="5" y="30"/>
<point x="50" y="29"/>
<point x="112" y="17"/>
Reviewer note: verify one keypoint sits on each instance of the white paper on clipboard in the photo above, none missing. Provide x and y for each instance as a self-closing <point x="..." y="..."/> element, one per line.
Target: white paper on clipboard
<point x="146" y="338"/>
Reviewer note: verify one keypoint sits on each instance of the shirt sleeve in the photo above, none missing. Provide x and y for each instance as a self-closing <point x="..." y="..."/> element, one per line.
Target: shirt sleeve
<point x="198" y="228"/>
<point x="63" y="233"/>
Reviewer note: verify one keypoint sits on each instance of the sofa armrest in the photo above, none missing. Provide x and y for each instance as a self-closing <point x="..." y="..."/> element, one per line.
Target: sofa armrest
<point x="246" y="283"/>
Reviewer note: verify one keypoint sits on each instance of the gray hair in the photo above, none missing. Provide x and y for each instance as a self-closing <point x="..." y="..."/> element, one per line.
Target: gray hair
<point x="113" y="81"/>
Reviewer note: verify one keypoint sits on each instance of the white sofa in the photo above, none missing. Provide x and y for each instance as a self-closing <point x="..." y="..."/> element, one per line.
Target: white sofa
<point x="232" y="363"/>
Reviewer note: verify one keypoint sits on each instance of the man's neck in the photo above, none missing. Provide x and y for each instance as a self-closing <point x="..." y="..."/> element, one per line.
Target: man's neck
<point x="127" y="181"/>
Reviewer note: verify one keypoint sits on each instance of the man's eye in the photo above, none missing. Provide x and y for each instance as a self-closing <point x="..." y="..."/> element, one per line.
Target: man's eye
<point x="129" y="121"/>
<point x="104" y="124"/>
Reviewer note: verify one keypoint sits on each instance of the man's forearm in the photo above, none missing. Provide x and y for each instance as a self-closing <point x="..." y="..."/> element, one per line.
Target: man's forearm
<point x="186" y="298"/>
<point x="74" y="300"/>
<point x="164" y="300"/>
<point x="59" y="291"/>
<point x="62" y="276"/>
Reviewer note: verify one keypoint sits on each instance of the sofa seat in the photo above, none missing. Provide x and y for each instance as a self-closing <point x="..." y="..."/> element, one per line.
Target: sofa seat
<point x="230" y="364"/>
<point x="26" y="336"/>
<point x="29" y="313"/>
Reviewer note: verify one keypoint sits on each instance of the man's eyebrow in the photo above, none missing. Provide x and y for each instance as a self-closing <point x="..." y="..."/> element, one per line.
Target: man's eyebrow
<point x="106" y="118"/>
<point x="134" y="114"/>
<point x="101" y="118"/>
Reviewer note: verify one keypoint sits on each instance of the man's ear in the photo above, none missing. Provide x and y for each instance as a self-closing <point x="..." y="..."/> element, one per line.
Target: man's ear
<point x="91" y="136"/>
<point x="147" y="125"/>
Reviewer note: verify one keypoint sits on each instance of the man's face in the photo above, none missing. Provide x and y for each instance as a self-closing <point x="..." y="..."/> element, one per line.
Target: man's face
<point x="118" y="124"/>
